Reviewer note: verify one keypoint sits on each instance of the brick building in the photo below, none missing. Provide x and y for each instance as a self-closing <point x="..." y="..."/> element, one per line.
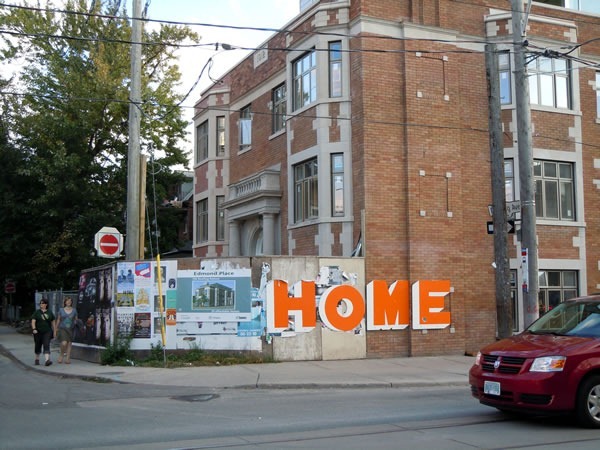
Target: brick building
<point x="361" y="128"/>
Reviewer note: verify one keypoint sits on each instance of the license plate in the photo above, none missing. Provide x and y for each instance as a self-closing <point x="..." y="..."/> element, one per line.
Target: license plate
<point x="491" y="387"/>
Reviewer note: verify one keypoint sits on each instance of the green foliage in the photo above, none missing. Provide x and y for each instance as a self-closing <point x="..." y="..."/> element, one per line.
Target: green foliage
<point x="195" y="357"/>
<point x="68" y="142"/>
<point x="117" y="354"/>
<point x="120" y="354"/>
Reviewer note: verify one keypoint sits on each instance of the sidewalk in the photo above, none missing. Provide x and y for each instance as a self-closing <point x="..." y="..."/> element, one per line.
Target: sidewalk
<point x="392" y="372"/>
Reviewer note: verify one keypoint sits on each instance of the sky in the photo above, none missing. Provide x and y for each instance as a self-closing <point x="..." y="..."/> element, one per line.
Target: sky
<point x="239" y="13"/>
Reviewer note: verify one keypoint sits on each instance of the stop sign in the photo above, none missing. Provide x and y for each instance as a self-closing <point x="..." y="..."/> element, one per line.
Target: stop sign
<point x="109" y="242"/>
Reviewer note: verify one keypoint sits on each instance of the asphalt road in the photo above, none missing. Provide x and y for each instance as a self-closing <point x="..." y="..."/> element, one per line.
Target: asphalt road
<point x="40" y="411"/>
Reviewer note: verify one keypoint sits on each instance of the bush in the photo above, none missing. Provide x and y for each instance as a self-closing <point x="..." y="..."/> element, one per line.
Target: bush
<point x="117" y="354"/>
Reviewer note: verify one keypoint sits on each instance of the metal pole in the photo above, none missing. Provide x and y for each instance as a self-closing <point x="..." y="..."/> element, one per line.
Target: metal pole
<point x="132" y="250"/>
<point x="527" y="183"/>
<point x="503" y="308"/>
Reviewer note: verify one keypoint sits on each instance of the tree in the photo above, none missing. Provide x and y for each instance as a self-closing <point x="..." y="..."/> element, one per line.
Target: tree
<point x="66" y="131"/>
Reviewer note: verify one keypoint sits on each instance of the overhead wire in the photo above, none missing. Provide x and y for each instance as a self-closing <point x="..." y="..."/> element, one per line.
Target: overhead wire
<point x="239" y="27"/>
<point x="209" y="63"/>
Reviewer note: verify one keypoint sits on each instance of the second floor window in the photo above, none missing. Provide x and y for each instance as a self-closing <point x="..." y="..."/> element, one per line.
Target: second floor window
<point x="337" y="184"/>
<point x="245" y="128"/>
<point x="592" y="6"/>
<point x="305" y="80"/>
<point x="597" y="87"/>
<point x="202" y="221"/>
<point x="279" y="108"/>
<point x="202" y="142"/>
<point x="306" y="191"/>
<point x="505" y="75"/>
<point x="220" y="135"/>
<point x="509" y="180"/>
<point x="554" y="190"/>
<point x="220" y="218"/>
<point x="549" y="82"/>
<point x="335" y="69"/>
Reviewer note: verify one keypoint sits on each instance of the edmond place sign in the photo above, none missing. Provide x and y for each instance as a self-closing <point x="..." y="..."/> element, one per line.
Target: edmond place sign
<point x="385" y="308"/>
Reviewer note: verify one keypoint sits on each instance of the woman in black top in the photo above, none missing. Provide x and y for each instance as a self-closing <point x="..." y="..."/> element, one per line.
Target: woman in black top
<point x="42" y="323"/>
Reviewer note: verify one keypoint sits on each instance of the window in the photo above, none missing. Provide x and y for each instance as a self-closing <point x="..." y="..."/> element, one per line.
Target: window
<point x="509" y="180"/>
<point x="304" y="4"/>
<point x="202" y="221"/>
<point x="245" y="128"/>
<point x="220" y="218"/>
<point x="335" y="69"/>
<point x="556" y="286"/>
<point x="505" y="74"/>
<point x="202" y="142"/>
<point x="306" y="192"/>
<point x="597" y="87"/>
<point x="337" y="184"/>
<point x="549" y="82"/>
<point x="554" y="190"/>
<point x="279" y="107"/>
<point x="592" y="6"/>
<point x="305" y="80"/>
<point x="220" y="135"/>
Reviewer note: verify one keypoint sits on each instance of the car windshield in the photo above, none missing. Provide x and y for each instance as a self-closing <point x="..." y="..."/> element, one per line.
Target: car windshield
<point x="570" y="319"/>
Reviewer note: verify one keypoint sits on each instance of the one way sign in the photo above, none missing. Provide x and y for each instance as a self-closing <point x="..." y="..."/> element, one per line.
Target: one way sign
<point x="510" y="227"/>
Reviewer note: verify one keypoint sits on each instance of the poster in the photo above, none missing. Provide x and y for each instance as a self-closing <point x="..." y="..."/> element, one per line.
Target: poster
<point x="94" y="306"/>
<point x="142" y="325"/>
<point x="214" y="295"/>
<point x="137" y="296"/>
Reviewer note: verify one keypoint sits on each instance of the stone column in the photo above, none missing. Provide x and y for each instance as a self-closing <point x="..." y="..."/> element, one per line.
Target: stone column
<point x="234" y="239"/>
<point x="268" y="226"/>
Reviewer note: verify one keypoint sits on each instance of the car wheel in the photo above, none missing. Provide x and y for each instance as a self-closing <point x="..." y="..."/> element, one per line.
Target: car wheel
<point x="588" y="402"/>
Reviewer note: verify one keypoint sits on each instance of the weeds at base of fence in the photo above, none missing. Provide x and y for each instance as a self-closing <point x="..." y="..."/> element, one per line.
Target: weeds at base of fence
<point x="120" y="354"/>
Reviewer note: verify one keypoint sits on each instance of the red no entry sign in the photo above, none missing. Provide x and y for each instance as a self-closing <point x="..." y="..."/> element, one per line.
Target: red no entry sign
<point x="109" y="242"/>
<point x="10" y="287"/>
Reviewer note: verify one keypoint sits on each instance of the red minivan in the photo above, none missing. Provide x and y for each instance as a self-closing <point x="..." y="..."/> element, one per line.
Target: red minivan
<point x="552" y="367"/>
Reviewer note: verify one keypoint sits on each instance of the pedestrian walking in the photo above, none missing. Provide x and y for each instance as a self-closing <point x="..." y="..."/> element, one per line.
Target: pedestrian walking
<point x="42" y="323"/>
<point x="65" y="325"/>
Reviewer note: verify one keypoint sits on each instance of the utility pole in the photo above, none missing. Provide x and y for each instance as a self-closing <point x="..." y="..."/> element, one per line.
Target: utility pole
<point x="529" y="250"/>
<point x="502" y="265"/>
<point x="132" y="248"/>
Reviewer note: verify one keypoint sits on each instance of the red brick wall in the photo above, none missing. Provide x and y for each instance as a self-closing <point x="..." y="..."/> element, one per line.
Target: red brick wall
<point x="304" y="238"/>
<point x="422" y="115"/>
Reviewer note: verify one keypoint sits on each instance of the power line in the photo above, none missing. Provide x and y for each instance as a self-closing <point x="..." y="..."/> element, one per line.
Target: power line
<point x="302" y="115"/>
<point x="229" y="46"/>
<point x="263" y="29"/>
<point x="237" y="27"/>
